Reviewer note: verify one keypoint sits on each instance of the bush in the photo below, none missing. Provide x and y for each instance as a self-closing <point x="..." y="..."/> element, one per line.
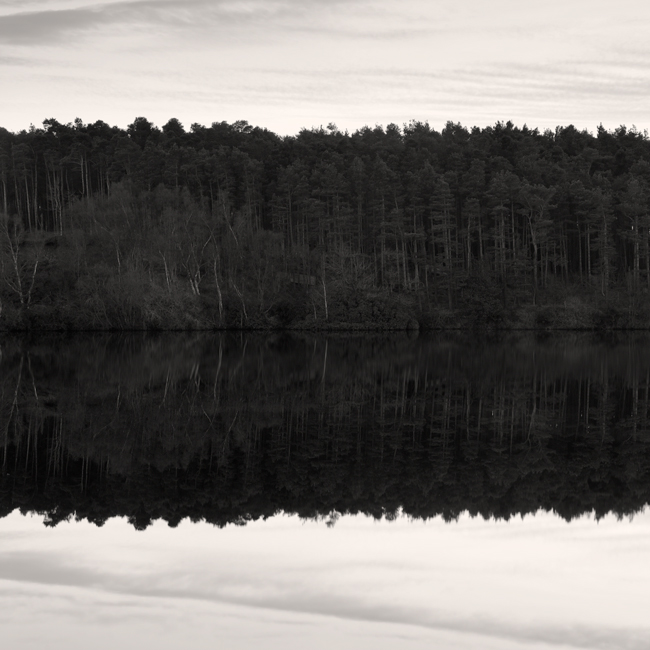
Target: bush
<point x="11" y="317"/>
<point x="609" y="317"/>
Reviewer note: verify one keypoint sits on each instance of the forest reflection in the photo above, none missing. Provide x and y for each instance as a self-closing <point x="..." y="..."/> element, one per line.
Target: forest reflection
<point x="232" y="427"/>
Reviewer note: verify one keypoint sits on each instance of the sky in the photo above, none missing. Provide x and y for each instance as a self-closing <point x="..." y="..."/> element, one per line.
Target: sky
<point x="283" y="584"/>
<point x="291" y="64"/>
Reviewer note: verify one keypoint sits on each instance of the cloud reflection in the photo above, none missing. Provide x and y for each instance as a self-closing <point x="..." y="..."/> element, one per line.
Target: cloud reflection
<point x="517" y="583"/>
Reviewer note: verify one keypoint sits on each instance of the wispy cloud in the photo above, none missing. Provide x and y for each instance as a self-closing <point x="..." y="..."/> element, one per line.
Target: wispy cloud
<point x="7" y="60"/>
<point x="530" y="82"/>
<point x="352" y="32"/>
<point x="46" y="26"/>
<point x="37" y="22"/>
<point x="43" y="27"/>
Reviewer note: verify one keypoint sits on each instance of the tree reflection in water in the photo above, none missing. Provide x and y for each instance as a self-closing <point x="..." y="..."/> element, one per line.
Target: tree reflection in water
<point x="233" y="427"/>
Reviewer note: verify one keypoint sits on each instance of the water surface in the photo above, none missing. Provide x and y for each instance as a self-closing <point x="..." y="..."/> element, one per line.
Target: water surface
<point x="381" y="480"/>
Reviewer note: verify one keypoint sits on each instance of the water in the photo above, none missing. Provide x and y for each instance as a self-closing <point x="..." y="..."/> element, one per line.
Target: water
<point x="382" y="481"/>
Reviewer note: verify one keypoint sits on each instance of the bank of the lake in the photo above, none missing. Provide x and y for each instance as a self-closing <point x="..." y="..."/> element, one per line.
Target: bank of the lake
<point x="61" y="294"/>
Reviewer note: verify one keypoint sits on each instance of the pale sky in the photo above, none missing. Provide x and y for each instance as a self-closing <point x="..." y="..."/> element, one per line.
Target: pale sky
<point x="281" y="584"/>
<point x="292" y="64"/>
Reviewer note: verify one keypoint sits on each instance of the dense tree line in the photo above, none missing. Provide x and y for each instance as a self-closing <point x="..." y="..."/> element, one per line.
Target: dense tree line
<point x="232" y="225"/>
<point x="229" y="429"/>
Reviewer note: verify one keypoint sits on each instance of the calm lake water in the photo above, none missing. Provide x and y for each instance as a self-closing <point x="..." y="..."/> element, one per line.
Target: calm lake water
<point x="246" y="491"/>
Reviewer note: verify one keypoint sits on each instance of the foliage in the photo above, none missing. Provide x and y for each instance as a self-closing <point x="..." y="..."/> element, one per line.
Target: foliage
<point x="232" y="226"/>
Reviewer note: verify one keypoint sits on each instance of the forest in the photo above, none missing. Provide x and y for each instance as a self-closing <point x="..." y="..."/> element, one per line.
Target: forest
<point x="232" y="427"/>
<point x="234" y="227"/>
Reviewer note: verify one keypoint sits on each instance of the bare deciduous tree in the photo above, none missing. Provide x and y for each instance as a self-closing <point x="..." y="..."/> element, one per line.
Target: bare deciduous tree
<point x="18" y="270"/>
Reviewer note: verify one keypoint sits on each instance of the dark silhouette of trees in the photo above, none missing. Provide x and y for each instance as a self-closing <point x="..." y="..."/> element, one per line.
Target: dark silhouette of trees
<point x="501" y="226"/>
